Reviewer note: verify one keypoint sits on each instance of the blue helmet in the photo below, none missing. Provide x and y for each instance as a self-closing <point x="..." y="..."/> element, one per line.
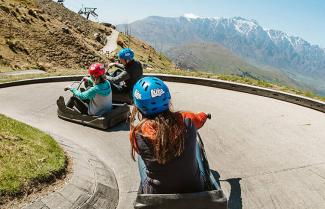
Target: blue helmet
<point x="151" y="96"/>
<point x="126" y="54"/>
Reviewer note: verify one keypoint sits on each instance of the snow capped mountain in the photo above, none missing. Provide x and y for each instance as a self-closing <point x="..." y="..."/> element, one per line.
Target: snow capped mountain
<point x="282" y="38"/>
<point x="244" y="26"/>
<point x="279" y="36"/>
<point x="243" y="37"/>
<point x="191" y="16"/>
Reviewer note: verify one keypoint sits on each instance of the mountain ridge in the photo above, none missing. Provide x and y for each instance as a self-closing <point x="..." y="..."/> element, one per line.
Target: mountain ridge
<point x="238" y="30"/>
<point x="245" y="38"/>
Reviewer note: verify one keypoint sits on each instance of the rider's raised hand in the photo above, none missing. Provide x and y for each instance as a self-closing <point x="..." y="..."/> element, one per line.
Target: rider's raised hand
<point x="67" y="88"/>
<point x="209" y="115"/>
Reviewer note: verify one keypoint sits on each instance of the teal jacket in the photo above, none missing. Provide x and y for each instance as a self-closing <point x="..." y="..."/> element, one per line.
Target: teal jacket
<point x="103" y="89"/>
<point x="99" y="96"/>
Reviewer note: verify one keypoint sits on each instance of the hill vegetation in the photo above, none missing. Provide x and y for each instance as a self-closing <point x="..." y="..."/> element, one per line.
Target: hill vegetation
<point x="29" y="159"/>
<point x="42" y="34"/>
<point x="146" y="54"/>
<point x="45" y="35"/>
<point x="217" y="59"/>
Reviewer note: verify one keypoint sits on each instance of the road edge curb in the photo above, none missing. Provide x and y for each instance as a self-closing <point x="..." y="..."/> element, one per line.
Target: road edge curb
<point x="282" y="96"/>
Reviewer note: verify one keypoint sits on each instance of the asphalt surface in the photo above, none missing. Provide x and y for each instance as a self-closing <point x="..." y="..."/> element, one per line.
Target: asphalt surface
<point x="268" y="153"/>
<point x="92" y="185"/>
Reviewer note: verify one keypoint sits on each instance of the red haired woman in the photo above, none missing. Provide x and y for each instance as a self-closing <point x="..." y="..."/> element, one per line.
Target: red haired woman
<point x="165" y="141"/>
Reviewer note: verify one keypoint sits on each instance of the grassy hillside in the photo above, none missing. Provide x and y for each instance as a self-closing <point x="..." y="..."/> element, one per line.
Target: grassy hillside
<point x="43" y="34"/>
<point x="146" y="54"/>
<point x="217" y="59"/>
<point x="29" y="158"/>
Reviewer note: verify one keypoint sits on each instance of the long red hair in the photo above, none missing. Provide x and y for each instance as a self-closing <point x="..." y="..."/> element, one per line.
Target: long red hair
<point x="168" y="134"/>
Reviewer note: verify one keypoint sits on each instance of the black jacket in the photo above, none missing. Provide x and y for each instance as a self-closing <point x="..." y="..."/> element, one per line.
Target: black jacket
<point x="131" y="73"/>
<point x="180" y="175"/>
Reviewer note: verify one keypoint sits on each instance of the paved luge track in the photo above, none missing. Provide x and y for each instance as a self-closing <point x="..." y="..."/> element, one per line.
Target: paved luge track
<point x="270" y="154"/>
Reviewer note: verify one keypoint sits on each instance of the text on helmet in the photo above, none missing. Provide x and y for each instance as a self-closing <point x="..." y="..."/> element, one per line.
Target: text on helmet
<point x="157" y="92"/>
<point x="137" y="94"/>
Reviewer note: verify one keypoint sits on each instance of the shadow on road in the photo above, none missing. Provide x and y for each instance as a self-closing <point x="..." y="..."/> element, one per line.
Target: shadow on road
<point x="123" y="126"/>
<point x="235" y="199"/>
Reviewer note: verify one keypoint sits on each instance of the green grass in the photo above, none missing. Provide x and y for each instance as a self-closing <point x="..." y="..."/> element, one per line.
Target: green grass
<point x="233" y="78"/>
<point x="27" y="157"/>
<point x="146" y="54"/>
<point x="243" y="80"/>
<point x="10" y="78"/>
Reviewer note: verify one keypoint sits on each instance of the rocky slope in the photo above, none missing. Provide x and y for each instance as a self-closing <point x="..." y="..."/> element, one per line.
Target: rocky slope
<point x="45" y="35"/>
<point x="146" y="54"/>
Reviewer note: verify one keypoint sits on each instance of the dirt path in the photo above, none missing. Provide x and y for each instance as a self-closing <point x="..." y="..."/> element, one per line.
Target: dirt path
<point x="111" y="42"/>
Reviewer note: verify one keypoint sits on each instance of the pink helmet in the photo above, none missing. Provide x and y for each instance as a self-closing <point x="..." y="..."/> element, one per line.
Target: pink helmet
<point x="96" y="69"/>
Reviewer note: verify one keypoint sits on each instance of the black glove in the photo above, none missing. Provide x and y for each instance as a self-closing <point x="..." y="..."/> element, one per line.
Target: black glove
<point x="209" y="116"/>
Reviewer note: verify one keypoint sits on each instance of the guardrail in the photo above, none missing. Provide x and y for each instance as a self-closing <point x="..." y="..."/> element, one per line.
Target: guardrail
<point x="291" y="98"/>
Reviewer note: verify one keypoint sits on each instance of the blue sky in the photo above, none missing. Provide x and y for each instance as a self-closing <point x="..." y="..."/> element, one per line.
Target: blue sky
<point x="303" y="18"/>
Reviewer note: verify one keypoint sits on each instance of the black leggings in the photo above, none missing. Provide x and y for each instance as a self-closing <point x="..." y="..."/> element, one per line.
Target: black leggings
<point x="80" y="105"/>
